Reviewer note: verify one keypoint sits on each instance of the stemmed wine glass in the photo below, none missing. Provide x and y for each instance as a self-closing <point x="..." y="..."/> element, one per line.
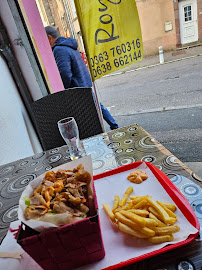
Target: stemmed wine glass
<point x="69" y="131"/>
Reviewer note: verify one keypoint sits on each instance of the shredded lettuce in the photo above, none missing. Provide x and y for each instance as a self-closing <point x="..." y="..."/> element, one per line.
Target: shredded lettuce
<point x="27" y="201"/>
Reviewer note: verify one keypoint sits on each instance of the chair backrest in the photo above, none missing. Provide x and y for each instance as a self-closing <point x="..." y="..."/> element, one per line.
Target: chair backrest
<point x="76" y="102"/>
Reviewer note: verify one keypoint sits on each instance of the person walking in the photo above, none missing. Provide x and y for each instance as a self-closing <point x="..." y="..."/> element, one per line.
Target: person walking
<point x="72" y="68"/>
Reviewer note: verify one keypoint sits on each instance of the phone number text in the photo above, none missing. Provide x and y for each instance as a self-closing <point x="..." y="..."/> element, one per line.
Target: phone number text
<point x="123" y="54"/>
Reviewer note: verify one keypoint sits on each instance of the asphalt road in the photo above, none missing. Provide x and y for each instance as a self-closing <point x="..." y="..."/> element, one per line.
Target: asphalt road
<point x="165" y="100"/>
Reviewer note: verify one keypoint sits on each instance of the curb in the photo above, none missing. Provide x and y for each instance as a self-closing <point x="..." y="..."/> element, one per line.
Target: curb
<point x="158" y="110"/>
<point x="167" y="62"/>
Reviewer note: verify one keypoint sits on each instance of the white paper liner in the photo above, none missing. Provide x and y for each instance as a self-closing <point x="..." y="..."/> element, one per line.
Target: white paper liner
<point x="120" y="247"/>
<point x="41" y="225"/>
<point x="9" y="244"/>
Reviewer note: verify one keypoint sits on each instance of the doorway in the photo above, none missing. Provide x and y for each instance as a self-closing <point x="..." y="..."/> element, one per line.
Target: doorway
<point x="188" y="21"/>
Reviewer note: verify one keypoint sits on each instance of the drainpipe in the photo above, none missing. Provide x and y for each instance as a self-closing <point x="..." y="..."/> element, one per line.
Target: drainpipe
<point x="69" y="17"/>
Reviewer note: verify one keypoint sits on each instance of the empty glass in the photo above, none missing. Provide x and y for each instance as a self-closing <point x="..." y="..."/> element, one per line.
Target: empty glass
<point x="69" y="130"/>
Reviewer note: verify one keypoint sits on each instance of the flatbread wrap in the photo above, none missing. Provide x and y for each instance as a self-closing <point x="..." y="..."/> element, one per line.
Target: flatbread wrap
<point x="62" y="198"/>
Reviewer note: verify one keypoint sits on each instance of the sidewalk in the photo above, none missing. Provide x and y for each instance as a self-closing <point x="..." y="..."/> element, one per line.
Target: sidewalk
<point x="171" y="56"/>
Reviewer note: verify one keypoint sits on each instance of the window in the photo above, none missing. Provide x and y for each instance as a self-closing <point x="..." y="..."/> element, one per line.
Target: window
<point x="187" y="13"/>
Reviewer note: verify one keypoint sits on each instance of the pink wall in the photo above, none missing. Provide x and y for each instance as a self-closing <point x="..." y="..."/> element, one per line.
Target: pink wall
<point x="43" y="45"/>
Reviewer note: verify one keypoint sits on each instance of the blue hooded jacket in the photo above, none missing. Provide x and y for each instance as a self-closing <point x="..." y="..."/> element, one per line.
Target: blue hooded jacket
<point x="72" y="68"/>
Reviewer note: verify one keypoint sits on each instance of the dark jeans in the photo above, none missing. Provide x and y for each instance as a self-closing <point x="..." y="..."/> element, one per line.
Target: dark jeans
<point x="108" y="117"/>
<point x="106" y="114"/>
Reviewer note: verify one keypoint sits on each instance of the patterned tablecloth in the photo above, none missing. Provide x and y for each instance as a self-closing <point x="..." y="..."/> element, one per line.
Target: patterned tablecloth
<point x="111" y="150"/>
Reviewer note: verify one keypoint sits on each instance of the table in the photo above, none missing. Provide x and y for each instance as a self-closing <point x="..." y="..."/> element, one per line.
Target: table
<point x="111" y="150"/>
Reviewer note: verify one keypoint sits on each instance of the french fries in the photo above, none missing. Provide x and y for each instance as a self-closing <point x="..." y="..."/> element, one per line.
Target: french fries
<point x="160" y="223"/>
<point x="162" y="213"/>
<point x="109" y="212"/>
<point x="140" y="212"/>
<point x="125" y="196"/>
<point x="143" y="217"/>
<point x="137" y="219"/>
<point x="126" y="229"/>
<point x="140" y="204"/>
<point x="170" y="206"/>
<point x="161" y="239"/>
<point x="116" y="203"/>
<point x="166" y="230"/>
<point x="170" y="212"/>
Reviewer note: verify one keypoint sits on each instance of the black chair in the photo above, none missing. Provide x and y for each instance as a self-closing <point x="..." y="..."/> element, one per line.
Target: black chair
<point x="76" y="102"/>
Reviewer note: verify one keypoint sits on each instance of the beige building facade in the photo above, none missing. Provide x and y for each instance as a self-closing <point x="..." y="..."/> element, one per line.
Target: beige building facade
<point x="169" y="23"/>
<point x="61" y="14"/>
<point x="157" y="22"/>
<point x="166" y="23"/>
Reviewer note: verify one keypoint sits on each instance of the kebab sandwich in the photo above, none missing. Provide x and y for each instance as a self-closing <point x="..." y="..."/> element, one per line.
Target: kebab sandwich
<point x="62" y="198"/>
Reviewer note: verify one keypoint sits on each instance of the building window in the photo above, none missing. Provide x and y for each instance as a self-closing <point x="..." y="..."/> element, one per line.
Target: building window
<point x="73" y="8"/>
<point x="187" y="13"/>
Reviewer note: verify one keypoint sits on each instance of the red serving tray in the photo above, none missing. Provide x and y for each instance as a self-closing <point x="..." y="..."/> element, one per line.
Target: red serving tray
<point x="179" y="199"/>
